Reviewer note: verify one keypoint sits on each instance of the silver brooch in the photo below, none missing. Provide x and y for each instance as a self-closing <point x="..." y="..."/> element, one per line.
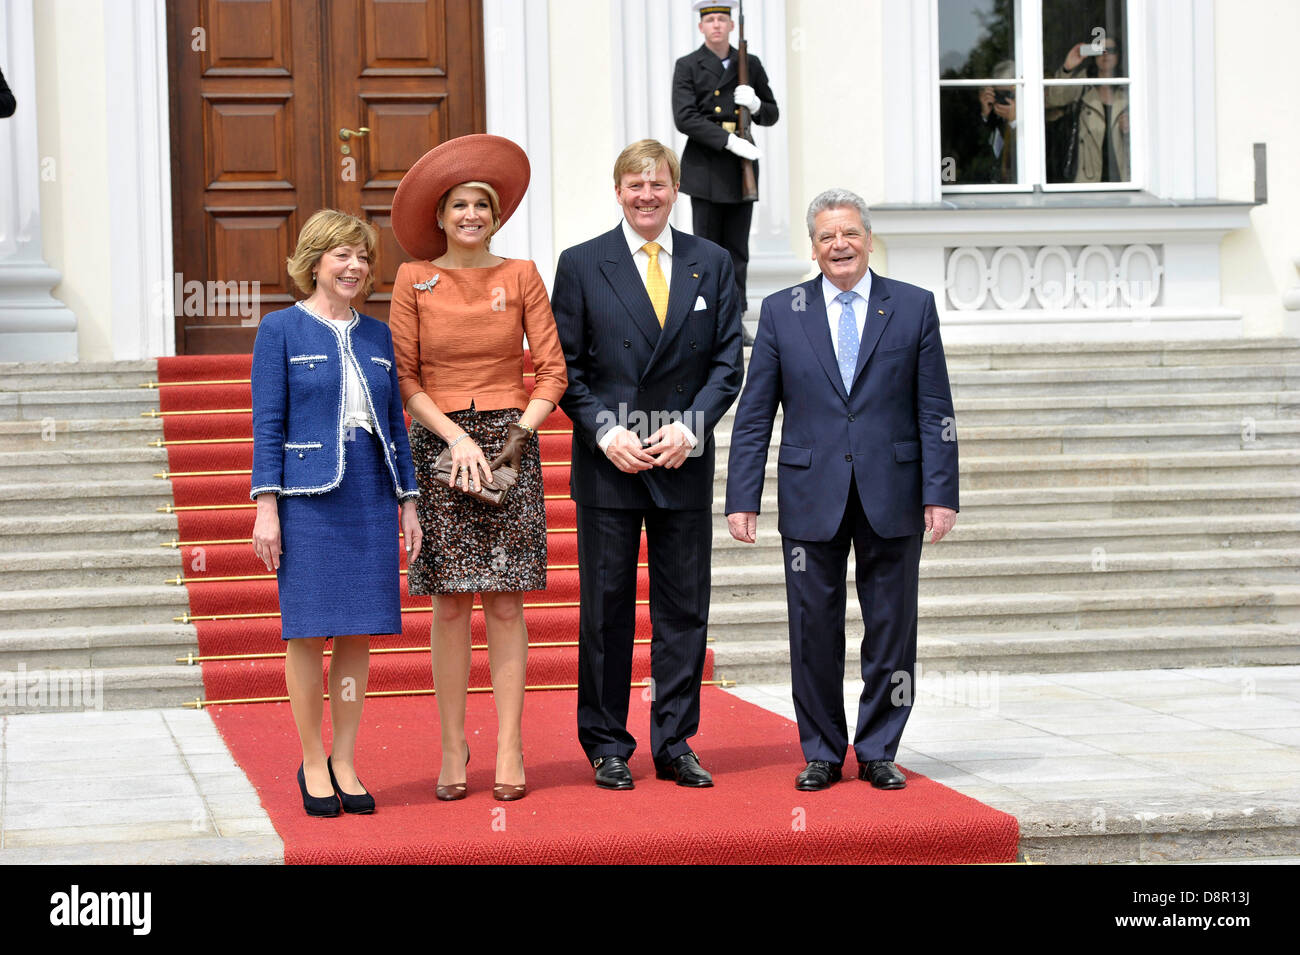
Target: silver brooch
<point x="426" y="286"/>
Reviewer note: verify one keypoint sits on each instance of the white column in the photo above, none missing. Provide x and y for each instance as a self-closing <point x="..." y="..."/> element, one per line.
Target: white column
<point x="518" y="90"/>
<point x="771" y="265"/>
<point x="646" y="38"/>
<point x="34" y="325"/>
<point x="139" y="181"/>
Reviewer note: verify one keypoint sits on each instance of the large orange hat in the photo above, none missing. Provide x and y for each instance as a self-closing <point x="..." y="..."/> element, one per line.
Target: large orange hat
<point x="492" y="159"/>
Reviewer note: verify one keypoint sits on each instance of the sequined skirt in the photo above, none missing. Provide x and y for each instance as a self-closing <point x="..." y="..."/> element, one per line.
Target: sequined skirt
<point x="469" y="546"/>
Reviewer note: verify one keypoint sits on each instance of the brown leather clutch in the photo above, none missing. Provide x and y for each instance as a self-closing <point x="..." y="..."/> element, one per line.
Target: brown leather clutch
<point x="503" y="479"/>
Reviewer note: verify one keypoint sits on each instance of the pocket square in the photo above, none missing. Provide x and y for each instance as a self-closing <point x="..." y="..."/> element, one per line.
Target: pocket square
<point x="700" y="304"/>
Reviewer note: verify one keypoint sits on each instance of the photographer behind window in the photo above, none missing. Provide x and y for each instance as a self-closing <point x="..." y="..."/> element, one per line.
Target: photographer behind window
<point x="1098" y="115"/>
<point x="996" y="159"/>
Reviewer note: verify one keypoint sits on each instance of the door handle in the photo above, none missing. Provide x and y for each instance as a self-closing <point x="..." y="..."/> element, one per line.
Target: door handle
<point x="345" y="134"/>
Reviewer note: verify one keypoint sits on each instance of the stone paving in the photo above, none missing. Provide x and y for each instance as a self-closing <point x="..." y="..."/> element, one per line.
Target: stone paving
<point x="1117" y="766"/>
<point x="126" y="786"/>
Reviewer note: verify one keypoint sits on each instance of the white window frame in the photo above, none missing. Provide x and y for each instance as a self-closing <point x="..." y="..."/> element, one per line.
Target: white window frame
<point x="1171" y="59"/>
<point x="1031" y="126"/>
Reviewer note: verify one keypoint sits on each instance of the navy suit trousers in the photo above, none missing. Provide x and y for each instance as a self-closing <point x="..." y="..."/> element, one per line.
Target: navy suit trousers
<point x="888" y="570"/>
<point x="678" y="544"/>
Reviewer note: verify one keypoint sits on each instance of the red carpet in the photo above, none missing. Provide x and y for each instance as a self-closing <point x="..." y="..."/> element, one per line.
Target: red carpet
<point x="754" y="814"/>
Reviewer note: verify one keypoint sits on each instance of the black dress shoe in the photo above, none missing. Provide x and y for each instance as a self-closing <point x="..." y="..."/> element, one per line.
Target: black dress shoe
<point x="612" y="772"/>
<point x="362" y="805"/>
<point x="686" y="769"/>
<point x="818" y="774"/>
<point x="882" y="774"/>
<point x="327" y="806"/>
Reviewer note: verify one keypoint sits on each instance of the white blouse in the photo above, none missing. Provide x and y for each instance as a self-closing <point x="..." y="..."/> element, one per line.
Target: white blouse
<point x="355" y="412"/>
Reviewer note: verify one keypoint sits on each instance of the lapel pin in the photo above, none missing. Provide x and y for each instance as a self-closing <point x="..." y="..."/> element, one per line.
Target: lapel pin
<point x="695" y="275"/>
<point x="880" y="311"/>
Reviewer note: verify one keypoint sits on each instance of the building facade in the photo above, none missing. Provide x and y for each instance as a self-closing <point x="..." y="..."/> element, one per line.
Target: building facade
<point x="144" y="168"/>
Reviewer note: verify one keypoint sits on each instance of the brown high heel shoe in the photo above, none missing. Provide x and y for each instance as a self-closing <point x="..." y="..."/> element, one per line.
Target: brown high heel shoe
<point x="508" y="792"/>
<point x="454" y="791"/>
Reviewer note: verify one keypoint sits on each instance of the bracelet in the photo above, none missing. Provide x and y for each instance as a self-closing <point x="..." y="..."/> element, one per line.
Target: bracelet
<point x="463" y="436"/>
<point x="532" y="431"/>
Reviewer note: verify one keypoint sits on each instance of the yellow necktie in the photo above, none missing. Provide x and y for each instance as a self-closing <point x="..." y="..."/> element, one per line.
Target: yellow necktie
<point x="655" y="283"/>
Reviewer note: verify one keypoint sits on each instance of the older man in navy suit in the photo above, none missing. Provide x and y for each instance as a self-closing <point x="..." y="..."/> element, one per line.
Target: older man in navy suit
<point x="650" y="324"/>
<point x="868" y="458"/>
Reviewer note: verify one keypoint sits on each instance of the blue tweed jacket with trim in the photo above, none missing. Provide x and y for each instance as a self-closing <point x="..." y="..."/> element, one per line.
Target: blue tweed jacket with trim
<point x="298" y="373"/>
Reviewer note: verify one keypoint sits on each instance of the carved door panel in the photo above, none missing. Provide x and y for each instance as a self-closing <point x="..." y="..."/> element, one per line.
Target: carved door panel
<point x="261" y="90"/>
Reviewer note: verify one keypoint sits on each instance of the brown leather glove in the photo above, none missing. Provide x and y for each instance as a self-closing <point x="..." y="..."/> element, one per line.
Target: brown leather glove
<point x="512" y="452"/>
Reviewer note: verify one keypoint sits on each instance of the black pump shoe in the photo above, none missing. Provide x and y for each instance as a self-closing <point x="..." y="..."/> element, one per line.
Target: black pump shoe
<point x="317" y="805"/>
<point x="361" y="805"/>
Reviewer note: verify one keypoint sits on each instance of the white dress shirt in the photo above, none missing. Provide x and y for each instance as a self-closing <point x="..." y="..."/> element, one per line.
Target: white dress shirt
<point x="641" y="259"/>
<point x="833" y="308"/>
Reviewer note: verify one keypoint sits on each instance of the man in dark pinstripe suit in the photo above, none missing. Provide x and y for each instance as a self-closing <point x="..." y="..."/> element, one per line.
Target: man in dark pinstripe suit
<point x="650" y="323"/>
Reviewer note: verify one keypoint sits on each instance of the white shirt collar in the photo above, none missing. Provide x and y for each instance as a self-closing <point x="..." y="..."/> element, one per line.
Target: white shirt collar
<point x="634" y="240"/>
<point x="863" y="288"/>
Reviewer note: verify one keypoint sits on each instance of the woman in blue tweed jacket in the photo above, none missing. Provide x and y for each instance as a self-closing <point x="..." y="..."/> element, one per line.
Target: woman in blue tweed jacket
<point x="331" y="463"/>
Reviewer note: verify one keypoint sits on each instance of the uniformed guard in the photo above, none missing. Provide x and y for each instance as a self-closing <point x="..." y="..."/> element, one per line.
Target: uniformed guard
<point x="707" y="99"/>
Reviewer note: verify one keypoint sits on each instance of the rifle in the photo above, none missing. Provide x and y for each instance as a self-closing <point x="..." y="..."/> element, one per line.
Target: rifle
<point x="748" y="182"/>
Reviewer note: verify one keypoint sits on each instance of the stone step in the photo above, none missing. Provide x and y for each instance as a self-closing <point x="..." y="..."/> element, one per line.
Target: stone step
<point x="97" y="646"/>
<point x="1060" y="574"/>
<point x="1126" y="535"/>
<point x="99" y="568"/>
<point x="1006" y="538"/>
<point x="67" y="464"/>
<point x="963" y="655"/>
<point x="978" y="383"/>
<point x="76" y="405"/>
<point x="1128" y="409"/>
<point x="1233" y="351"/>
<point x="91" y="606"/>
<point x="1131" y="501"/>
<point x="77" y="375"/>
<point x="66" y="531"/>
<point x="1012" y="613"/>
<point x="64" y="433"/>
<point x="1051" y="408"/>
<point x="108" y="688"/>
<point x="1075" y="439"/>
<point x="199" y="850"/>
<point x="1093" y="470"/>
<point x="1047" y="504"/>
<point x="1117" y="354"/>
<point x="89" y="497"/>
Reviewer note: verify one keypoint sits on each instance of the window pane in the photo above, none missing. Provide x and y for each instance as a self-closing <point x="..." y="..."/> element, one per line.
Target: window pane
<point x="974" y="37"/>
<point x="977" y="131"/>
<point x="1084" y="38"/>
<point x="1087" y="130"/>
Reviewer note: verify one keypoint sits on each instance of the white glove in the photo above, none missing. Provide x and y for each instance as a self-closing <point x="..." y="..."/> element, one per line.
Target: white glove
<point x="742" y="147"/>
<point x="746" y="97"/>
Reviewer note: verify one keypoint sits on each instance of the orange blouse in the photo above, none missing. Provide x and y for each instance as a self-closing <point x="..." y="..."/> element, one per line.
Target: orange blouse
<point x="461" y="339"/>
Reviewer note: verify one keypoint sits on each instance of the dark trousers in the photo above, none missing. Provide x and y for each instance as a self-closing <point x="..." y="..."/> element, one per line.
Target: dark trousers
<point x="727" y="224"/>
<point x="678" y="545"/>
<point x="888" y="570"/>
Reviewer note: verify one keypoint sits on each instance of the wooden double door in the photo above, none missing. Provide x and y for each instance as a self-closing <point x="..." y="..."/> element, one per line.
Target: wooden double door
<point x="268" y="100"/>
